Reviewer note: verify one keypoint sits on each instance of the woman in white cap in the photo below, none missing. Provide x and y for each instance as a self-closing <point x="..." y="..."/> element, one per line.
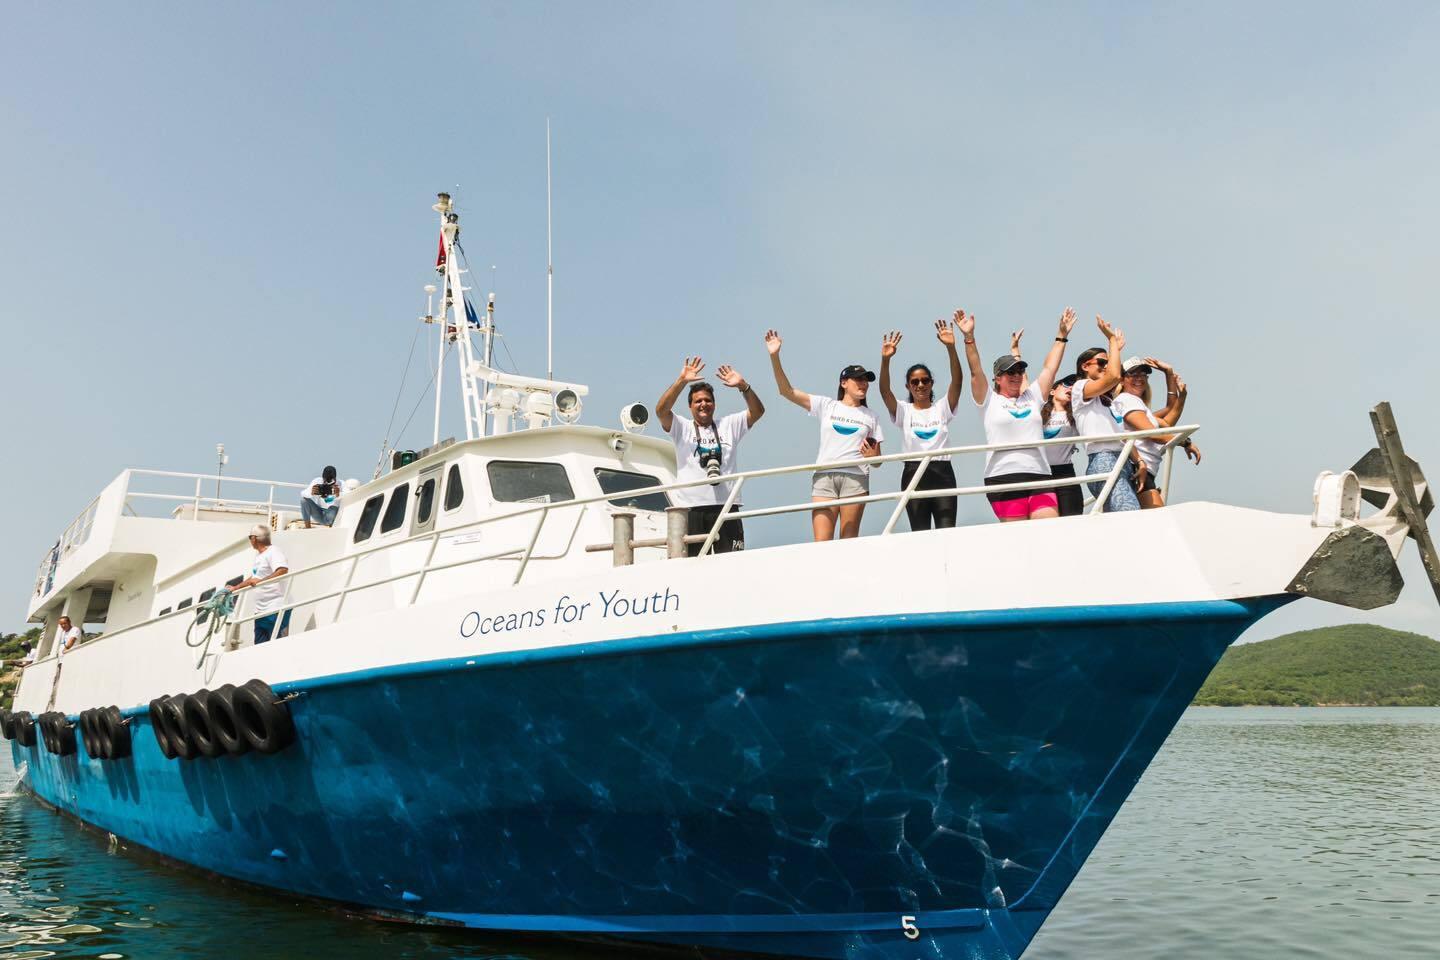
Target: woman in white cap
<point x="1010" y="411"/>
<point x="924" y="425"/>
<point x="848" y="431"/>
<point x="1133" y="406"/>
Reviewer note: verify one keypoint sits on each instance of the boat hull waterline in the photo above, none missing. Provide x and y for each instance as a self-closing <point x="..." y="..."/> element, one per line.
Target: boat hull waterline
<point x="834" y="787"/>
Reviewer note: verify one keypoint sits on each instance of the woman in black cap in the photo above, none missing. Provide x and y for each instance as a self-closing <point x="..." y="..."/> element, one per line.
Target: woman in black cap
<point x="1011" y="414"/>
<point x="848" y="431"/>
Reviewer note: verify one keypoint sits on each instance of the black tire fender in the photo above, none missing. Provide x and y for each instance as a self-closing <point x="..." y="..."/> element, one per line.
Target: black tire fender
<point x="24" y="727"/>
<point x="87" y="734"/>
<point x="64" y="735"/>
<point x="201" y="728"/>
<point x="5" y="717"/>
<point x="224" y="725"/>
<point x="160" y="727"/>
<point x="114" y="731"/>
<point x="264" y="721"/>
<point x="178" y="726"/>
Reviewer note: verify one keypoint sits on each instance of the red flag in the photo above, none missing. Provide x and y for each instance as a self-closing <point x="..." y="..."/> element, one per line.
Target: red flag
<point x="440" y="257"/>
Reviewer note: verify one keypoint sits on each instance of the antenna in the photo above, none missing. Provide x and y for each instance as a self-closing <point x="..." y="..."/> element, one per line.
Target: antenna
<point x="221" y="460"/>
<point x="549" y="270"/>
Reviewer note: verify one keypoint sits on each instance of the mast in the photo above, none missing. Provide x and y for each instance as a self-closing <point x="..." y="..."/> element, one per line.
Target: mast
<point x="549" y="270"/>
<point x="454" y="316"/>
<point x="441" y="206"/>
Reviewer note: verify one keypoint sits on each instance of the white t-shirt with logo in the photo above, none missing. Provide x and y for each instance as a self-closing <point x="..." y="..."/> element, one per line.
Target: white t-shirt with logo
<point x="1093" y="417"/>
<point x="842" y="430"/>
<point x="322" y="502"/>
<point x="268" y="595"/>
<point x="63" y="636"/>
<point x="683" y="433"/>
<point x="923" y="430"/>
<point x="1014" y="420"/>
<point x="1149" y="450"/>
<point x="1059" y="425"/>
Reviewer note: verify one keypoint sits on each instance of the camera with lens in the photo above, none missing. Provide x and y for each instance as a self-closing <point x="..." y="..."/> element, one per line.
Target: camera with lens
<point x="708" y="456"/>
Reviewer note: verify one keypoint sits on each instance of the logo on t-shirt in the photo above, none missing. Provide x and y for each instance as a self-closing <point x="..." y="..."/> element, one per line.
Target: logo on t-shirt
<point x="1018" y="414"/>
<point x="1052" y="432"/>
<point x="844" y="429"/>
<point x="926" y="434"/>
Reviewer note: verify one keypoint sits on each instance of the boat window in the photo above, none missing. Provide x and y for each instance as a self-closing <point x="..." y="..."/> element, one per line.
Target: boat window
<point x="426" y="496"/>
<point x="454" y="488"/>
<point x="163" y="612"/>
<point x="184" y="603"/>
<point x="235" y="581"/>
<point x="395" y="510"/>
<point x="520" y="481"/>
<point x="368" y="516"/>
<point x="619" y="481"/>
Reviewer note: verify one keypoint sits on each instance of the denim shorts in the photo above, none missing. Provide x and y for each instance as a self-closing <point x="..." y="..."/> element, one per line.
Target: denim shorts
<point x="834" y="484"/>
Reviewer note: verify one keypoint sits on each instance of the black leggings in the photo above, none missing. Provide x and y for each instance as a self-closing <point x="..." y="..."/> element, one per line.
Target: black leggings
<point x="1072" y="499"/>
<point x="730" y="538"/>
<point x="937" y="512"/>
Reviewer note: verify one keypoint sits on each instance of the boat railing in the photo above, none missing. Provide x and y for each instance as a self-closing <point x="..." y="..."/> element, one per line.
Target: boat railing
<point x="193" y="490"/>
<point x="429" y="542"/>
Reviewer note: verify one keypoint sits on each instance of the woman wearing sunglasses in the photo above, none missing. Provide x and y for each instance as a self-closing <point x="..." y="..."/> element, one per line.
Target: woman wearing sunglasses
<point x="1098" y="371"/>
<point x="1011" y="414"/>
<point x="925" y="426"/>
<point x="848" y="431"/>
<point x="1133" y="403"/>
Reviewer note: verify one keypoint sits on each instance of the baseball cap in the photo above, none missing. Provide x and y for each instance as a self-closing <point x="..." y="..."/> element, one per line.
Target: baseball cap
<point x="1009" y="364"/>
<point x="1136" y="365"/>
<point x="1069" y="381"/>
<point x="856" y="372"/>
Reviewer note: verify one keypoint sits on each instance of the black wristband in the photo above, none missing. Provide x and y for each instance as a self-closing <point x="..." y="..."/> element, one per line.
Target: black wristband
<point x="1062" y="339"/>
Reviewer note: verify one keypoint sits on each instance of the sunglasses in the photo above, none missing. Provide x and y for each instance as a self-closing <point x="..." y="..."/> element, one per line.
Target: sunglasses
<point x="1100" y="362"/>
<point x="920" y="381"/>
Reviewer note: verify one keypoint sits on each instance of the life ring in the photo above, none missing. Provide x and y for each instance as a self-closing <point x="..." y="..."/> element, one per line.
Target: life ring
<point x="164" y="738"/>
<point x="224" y="725"/>
<point x="114" y="732"/>
<point x="201" y="728"/>
<point x="262" y="718"/>
<point x="178" y="725"/>
<point x="23" y="726"/>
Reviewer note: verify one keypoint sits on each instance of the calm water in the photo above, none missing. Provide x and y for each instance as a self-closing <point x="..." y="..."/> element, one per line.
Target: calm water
<point x="1257" y="832"/>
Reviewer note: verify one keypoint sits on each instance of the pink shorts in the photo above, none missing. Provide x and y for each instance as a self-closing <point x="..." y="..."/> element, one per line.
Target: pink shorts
<point x="1025" y="506"/>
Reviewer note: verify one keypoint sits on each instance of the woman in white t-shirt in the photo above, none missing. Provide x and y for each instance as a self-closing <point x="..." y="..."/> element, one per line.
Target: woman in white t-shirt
<point x="1092" y="403"/>
<point x="848" y="431"/>
<point x="1133" y="406"/>
<point x="924" y="426"/>
<point x="1011" y="414"/>
<point x="1060" y="423"/>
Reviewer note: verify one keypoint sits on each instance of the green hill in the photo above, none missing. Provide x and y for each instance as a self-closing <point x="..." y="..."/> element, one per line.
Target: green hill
<point x="1359" y="664"/>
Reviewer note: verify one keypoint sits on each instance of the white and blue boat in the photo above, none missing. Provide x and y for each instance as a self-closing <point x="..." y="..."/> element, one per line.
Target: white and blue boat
<point x="502" y="705"/>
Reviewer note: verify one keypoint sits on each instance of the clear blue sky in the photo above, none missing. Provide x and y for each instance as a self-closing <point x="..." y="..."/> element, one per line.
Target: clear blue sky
<point x="217" y="224"/>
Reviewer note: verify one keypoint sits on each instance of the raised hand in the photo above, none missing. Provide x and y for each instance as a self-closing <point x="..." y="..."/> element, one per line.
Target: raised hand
<point x="1106" y="330"/>
<point x="1118" y="337"/>
<point x="772" y="342"/>
<point x="945" y="333"/>
<point x="690" y="372"/>
<point x="1192" y="451"/>
<point x="965" y="323"/>
<point x="729" y="375"/>
<point x="889" y="343"/>
<point x="869" y="448"/>
<point x="1159" y="364"/>
<point x="1067" y="321"/>
<point x="1015" y="341"/>
<point x="1180" y="387"/>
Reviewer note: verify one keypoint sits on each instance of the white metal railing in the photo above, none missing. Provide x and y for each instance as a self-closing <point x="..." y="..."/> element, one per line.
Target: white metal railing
<point x="199" y="499"/>
<point x="524" y="555"/>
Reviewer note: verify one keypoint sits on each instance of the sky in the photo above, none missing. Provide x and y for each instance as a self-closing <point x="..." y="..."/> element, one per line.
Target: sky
<point x="216" y="221"/>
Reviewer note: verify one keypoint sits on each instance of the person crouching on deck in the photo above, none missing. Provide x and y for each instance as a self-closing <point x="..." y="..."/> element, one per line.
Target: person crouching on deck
<point x="706" y="448"/>
<point x="269" y="564"/>
<point x="1010" y="411"/>
<point x="848" y="431"/>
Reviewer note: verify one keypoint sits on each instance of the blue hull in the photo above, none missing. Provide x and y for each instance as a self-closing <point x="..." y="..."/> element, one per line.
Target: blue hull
<point x="797" y="789"/>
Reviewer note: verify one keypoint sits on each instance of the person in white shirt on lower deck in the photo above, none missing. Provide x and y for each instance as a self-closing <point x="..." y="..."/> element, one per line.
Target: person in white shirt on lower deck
<point x="269" y="597"/>
<point x="1133" y="405"/>
<point x="67" y="638"/>
<point x="848" y="431"/>
<point x="1010" y="411"/>
<point x="707" y="448"/>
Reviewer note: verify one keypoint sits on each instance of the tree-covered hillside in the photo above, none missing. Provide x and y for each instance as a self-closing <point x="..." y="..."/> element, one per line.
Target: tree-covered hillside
<point x="10" y="651"/>
<point x="1358" y="664"/>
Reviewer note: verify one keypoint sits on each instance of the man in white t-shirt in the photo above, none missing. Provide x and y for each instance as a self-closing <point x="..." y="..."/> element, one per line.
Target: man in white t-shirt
<point x="707" y="449"/>
<point x="322" y="500"/>
<point x="67" y="637"/>
<point x="269" y="563"/>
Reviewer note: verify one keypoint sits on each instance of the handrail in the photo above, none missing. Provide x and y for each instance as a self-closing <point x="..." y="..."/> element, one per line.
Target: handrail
<point x="1178" y="434"/>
